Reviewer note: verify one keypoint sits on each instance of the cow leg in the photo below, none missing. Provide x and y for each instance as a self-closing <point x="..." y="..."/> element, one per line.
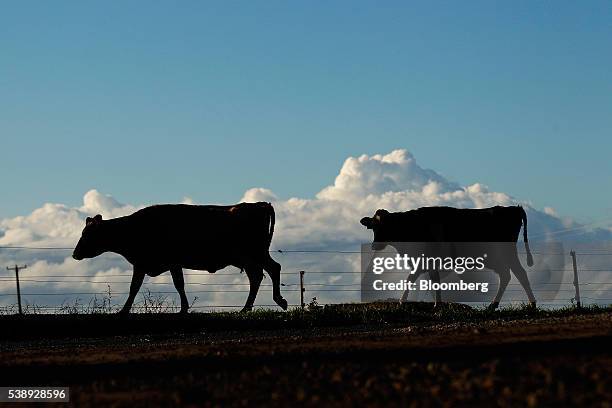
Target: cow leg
<point x="255" y="275"/>
<point x="179" y="284"/>
<point x="435" y="277"/>
<point x="521" y="275"/>
<point x="273" y="268"/>
<point x="413" y="277"/>
<point x="137" y="279"/>
<point x="504" y="279"/>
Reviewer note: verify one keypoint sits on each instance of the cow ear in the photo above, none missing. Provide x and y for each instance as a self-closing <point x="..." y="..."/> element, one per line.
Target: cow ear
<point x="367" y="222"/>
<point x="380" y="214"/>
<point x="94" y="220"/>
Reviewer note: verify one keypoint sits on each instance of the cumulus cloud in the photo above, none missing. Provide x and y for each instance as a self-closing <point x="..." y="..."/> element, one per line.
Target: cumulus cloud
<point x="254" y="195"/>
<point x="394" y="181"/>
<point x="329" y="220"/>
<point x="58" y="224"/>
<point x="380" y="174"/>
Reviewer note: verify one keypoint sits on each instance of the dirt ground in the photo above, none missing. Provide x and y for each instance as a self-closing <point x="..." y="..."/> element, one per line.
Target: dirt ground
<point x="559" y="361"/>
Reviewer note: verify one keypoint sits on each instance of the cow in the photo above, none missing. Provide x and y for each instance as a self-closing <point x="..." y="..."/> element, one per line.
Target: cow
<point x="170" y="237"/>
<point x="444" y="227"/>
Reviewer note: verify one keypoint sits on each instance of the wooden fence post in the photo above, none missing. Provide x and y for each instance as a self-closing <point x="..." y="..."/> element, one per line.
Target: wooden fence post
<point x="302" y="290"/>
<point x="16" y="268"/>
<point x="576" y="284"/>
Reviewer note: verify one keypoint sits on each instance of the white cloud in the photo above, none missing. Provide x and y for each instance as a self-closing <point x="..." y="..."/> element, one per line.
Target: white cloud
<point x="330" y="220"/>
<point x="57" y="224"/>
<point x="254" y="195"/>
<point x="380" y="174"/>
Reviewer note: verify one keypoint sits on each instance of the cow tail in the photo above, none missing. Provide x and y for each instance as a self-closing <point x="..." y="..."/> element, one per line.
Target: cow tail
<point x="525" y="239"/>
<point x="272" y="222"/>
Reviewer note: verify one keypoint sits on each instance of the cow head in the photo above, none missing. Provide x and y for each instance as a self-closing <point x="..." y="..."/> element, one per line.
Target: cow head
<point x="90" y="244"/>
<point x="380" y="227"/>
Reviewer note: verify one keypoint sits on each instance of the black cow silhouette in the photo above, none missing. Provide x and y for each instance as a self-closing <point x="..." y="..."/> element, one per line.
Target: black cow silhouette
<point x="171" y="237"/>
<point x="442" y="230"/>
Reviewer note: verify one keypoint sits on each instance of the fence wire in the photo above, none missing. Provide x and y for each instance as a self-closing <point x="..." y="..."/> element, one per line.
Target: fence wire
<point x="234" y="287"/>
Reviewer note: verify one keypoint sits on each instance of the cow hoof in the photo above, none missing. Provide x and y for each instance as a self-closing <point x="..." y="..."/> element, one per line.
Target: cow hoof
<point x="246" y="309"/>
<point x="183" y="312"/>
<point x="282" y="303"/>
<point x="493" y="306"/>
<point x="532" y="305"/>
<point x="123" y="313"/>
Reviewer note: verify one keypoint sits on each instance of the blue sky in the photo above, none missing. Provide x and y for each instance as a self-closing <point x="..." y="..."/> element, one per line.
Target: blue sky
<point x="155" y="101"/>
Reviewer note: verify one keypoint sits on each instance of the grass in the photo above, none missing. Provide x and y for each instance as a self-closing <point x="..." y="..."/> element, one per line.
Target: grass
<point x="156" y="315"/>
<point x="322" y="315"/>
<point x="347" y="313"/>
<point x="146" y="302"/>
<point x="396" y="313"/>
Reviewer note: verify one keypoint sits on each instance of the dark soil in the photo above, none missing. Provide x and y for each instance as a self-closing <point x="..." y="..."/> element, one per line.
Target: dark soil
<point x="537" y="360"/>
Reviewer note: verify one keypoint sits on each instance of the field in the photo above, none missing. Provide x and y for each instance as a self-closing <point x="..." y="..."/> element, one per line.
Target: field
<point x="342" y="355"/>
